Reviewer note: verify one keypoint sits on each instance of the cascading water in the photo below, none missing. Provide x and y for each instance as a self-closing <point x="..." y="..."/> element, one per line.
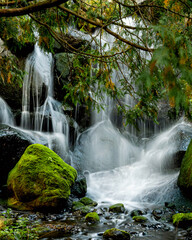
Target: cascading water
<point x="6" y="115"/>
<point x="122" y="167"/>
<point x="40" y="112"/>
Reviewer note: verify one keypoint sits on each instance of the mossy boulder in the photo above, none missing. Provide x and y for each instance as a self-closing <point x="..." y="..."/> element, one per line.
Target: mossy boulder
<point x="116" y="234"/>
<point x="41" y="180"/>
<point x="139" y="219"/>
<point x="185" y="176"/>
<point x="88" y="201"/>
<point x="117" y="208"/>
<point x="80" y="207"/>
<point x="136" y="212"/>
<point x="182" y="219"/>
<point x="92" y="217"/>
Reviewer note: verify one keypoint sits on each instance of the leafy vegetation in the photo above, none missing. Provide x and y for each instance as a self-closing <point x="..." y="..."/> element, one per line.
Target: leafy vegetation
<point x="151" y="54"/>
<point x="19" y="229"/>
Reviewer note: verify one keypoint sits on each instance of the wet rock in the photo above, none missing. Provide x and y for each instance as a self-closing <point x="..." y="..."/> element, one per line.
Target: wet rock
<point x="79" y="188"/>
<point x="80" y="207"/>
<point x="41" y="180"/>
<point x="88" y="201"/>
<point x="157" y="214"/>
<point x="116" y="234"/>
<point x="185" y="176"/>
<point x="117" y="208"/>
<point x="170" y="205"/>
<point x="140" y="219"/>
<point x="136" y="212"/>
<point x="92" y="217"/>
<point x="182" y="219"/>
<point x="13" y="143"/>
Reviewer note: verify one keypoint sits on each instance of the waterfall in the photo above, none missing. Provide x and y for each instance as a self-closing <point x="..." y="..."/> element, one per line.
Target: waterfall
<point x="124" y="166"/>
<point x="41" y="113"/>
<point x="6" y="115"/>
<point x="121" y="169"/>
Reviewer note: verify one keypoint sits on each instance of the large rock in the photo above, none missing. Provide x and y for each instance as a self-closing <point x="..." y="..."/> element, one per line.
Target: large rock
<point x="12" y="145"/>
<point x="41" y="180"/>
<point x="185" y="176"/>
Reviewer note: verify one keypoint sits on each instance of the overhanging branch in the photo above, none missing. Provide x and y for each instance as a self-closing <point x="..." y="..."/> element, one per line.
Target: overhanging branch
<point x="30" y="9"/>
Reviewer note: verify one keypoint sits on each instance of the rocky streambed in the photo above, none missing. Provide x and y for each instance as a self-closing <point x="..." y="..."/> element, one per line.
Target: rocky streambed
<point x="154" y="223"/>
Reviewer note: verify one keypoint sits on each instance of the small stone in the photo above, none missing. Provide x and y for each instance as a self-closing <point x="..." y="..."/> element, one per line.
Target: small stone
<point x="136" y="212"/>
<point x="88" y="201"/>
<point x="139" y="219"/>
<point x="117" y="208"/>
<point x="78" y="206"/>
<point x="116" y="234"/>
<point x="92" y="217"/>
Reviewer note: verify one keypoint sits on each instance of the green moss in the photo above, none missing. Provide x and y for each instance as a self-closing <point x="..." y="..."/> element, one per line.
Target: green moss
<point x="92" y="217"/>
<point x="139" y="219"/>
<point x="117" y="208"/>
<point x="116" y="234"/>
<point x="185" y="176"/>
<point x="182" y="219"/>
<point x="40" y="179"/>
<point x="88" y="201"/>
<point x="78" y="206"/>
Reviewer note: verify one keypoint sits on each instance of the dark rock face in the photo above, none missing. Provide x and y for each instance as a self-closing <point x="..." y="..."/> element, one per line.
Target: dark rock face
<point x="12" y="145"/>
<point x="12" y="94"/>
<point x="79" y="188"/>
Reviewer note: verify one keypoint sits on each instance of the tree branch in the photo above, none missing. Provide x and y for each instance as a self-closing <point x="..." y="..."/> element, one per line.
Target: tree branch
<point x="30" y="9"/>
<point x="100" y="25"/>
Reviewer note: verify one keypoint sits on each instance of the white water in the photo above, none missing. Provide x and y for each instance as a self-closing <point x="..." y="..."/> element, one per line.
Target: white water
<point x="6" y="115"/>
<point x="122" y="167"/>
<point x="123" y="171"/>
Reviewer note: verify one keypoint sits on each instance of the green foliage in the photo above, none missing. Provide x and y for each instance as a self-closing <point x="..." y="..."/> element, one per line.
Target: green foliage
<point x="164" y="69"/>
<point x="17" y="32"/>
<point x="19" y="229"/>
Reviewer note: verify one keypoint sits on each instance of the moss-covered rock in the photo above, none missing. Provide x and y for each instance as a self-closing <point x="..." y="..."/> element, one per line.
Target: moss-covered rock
<point x="182" y="219"/>
<point x="136" y="212"/>
<point x="139" y="219"/>
<point x="88" y="201"/>
<point x="92" y="217"/>
<point x="80" y="207"/>
<point x="116" y="234"/>
<point x="185" y="176"/>
<point x="117" y="208"/>
<point x="40" y="180"/>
